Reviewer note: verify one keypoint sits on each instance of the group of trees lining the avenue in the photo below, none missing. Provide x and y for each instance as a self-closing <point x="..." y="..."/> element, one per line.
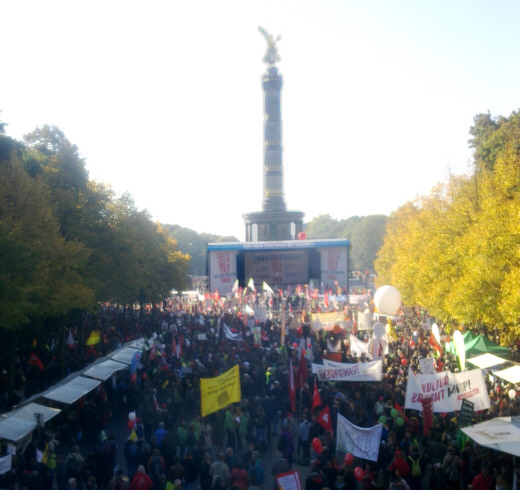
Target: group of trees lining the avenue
<point x="68" y="243"/>
<point x="364" y="232"/>
<point x="456" y="252"/>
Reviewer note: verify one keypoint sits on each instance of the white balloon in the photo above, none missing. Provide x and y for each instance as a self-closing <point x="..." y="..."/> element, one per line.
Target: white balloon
<point x="131" y="416"/>
<point x="387" y="300"/>
<point x="512" y="394"/>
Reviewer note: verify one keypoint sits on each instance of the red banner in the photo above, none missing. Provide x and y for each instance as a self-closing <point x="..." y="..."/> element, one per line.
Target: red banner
<point x="427" y="406"/>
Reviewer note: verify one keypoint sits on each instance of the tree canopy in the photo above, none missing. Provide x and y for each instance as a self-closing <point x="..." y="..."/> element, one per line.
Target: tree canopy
<point x="456" y="252"/>
<point x="68" y="243"/>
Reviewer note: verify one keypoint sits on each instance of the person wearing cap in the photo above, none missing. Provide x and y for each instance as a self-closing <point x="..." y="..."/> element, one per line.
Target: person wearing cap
<point x="379" y="407"/>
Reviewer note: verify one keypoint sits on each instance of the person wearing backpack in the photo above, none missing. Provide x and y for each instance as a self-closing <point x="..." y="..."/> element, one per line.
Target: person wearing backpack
<point x="156" y="465"/>
<point x="416" y="468"/>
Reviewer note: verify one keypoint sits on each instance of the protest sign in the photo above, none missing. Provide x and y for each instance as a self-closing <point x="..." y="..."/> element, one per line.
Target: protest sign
<point x="289" y="481"/>
<point x="426" y="365"/>
<point x="466" y="413"/>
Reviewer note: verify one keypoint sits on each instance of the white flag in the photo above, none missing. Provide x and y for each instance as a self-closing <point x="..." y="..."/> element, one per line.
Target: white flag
<point x="267" y="288"/>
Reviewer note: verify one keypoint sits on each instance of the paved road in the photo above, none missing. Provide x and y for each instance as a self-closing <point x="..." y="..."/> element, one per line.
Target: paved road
<point x="118" y="429"/>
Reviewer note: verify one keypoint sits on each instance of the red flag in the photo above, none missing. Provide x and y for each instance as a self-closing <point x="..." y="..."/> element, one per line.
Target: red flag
<point x="174" y="347"/>
<point x="292" y="388"/>
<point x="324" y="419"/>
<point x="303" y="372"/>
<point x="316" y="399"/>
<point x="326" y="300"/>
<point x="435" y="345"/>
<point x="34" y="360"/>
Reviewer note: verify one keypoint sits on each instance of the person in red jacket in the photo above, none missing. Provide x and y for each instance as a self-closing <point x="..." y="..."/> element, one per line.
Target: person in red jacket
<point x="400" y="465"/>
<point x="483" y="481"/>
<point x="141" y="481"/>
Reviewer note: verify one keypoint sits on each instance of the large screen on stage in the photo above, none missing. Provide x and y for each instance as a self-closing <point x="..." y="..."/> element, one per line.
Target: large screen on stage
<point x="277" y="267"/>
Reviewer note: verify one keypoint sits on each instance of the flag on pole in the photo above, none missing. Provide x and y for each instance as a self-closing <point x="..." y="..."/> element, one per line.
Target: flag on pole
<point x="267" y="288"/>
<point x="155" y="404"/>
<point x="316" y="399"/>
<point x="303" y="372"/>
<point x="292" y="388"/>
<point x="94" y="338"/>
<point x="324" y="419"/>
<point x="251" y="284"/>
<point x="234" y="289"/>
<point x="70" y="339"/>
<point x="34" y="360"/>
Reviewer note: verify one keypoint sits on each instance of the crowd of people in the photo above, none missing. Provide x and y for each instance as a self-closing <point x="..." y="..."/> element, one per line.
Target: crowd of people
<point x="143" y="429"/>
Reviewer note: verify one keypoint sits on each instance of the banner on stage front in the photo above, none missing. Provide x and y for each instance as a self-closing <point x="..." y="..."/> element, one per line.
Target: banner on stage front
<point x="327" y="320"/>
<point x="219" y="392"/>
<point x="338" y="371"/>
<point x="359" y="441"/>
<point x="447" y="390"/>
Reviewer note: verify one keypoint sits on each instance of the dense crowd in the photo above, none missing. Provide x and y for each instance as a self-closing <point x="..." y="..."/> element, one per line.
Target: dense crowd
<point x="165" y="444"/>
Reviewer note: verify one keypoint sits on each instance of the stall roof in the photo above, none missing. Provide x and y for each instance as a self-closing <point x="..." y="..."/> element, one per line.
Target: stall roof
<point x="72" y="390"/>
<point x="511" y="374"/>
<point x="486" y="360"/>
<point x="17" y="424"/>
<point x="104" y="369"/>
<point x="138" y="343"/>
<point x="500" y="433"/>
<point x="124" y="354"/>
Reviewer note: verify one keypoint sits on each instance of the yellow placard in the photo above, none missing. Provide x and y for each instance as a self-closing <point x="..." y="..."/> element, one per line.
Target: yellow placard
<point x="219" y="392"/>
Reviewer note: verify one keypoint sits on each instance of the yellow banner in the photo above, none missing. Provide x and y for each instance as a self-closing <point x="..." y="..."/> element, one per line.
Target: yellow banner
<point x="327" y="320"/>
<point x="219" y="392"/>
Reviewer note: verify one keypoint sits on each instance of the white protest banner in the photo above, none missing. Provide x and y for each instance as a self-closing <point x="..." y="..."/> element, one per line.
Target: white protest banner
<point x="426" y="365"/>
<point x="230" y="335"/>
<point x="361" y="442"/>
<point x="356" y="299"/>
<point x="337" y="371"/>
<point x="5" y="464"/>
<point x="447" y="390"/>
<point x="357" y="346"/>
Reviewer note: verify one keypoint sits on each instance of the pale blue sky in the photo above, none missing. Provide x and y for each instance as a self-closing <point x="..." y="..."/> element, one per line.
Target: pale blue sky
<point x="164" y="98"/>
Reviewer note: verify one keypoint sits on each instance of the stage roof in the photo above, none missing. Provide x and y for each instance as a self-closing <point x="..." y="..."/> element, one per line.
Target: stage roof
<point x="281" y="245"/>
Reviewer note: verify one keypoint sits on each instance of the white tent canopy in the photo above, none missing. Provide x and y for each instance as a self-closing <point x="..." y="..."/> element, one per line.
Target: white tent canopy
<point x="124" y="354"/>
<point x="511" y="374"/>
<point x="138" y="343"/>
<point x="17" y="424"/>
<point x="500" y="433"/>
<point x="486" y="360"/>
<point x="72" y="390"/>
<point x="104" y="369"/>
